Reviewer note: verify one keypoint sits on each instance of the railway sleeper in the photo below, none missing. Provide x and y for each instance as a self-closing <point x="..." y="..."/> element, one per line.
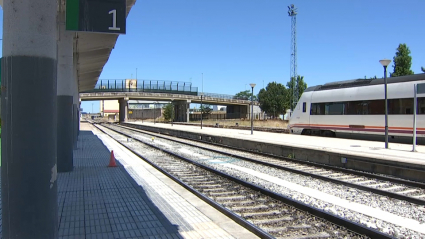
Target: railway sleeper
<point x="314" y="170"/>
<point x="395" y="188"/>
<point x="347" y="177"/>
<point x="231" y="198"/>
<point x="316" y="235"/>
<point x="409" y="191"/>
<point x="174" y="168"/>
<point x="420" y="196"/>
<point x="192" y="177"/>
<point x="267" y="221"/>
<point x="223" y="193"/>
<point x="196" y="180"/>
<point x="213" y="190"/>
<point x="377" y="185"/>
<point x="184" y="173"/>
<point x="253" y="207"/>
<point x="366" y="182"/>
<point x="261" y="214"/>
<point x="335" y="175"/>
<point x="205" y="185"/>
<point x="233" y="203"/>
<point x="285" y="229"/>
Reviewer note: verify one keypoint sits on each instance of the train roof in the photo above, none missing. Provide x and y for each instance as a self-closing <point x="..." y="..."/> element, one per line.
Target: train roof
<point x="365" y="82"/>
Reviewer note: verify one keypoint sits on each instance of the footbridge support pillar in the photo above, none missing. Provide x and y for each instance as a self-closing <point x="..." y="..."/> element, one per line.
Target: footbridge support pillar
<point x="123" y="109"/>
<point x="182" y="110"/>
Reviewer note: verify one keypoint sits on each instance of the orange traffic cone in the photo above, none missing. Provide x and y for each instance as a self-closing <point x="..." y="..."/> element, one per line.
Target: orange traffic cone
<point x="112" y="160"/>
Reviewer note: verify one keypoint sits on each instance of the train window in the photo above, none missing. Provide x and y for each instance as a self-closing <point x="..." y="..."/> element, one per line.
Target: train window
<point x="357" y="107"/>
<point x="400" y="106"/>
<point x="373" y="107"/>
<point x="421" y="105"/>
<point x="320" y="109"/>
<point x="352" y="107"/>
<point x="377" y="107"/>
<point x="317" y="109"/>
<point x="304" y="107"/>
<point x="394" y="107"/>
<point x="335" y="108"/>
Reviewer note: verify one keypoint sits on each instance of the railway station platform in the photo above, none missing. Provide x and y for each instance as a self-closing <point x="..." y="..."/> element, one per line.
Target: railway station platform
<point x="132" y="200"/>
<point x="397" y="160"/>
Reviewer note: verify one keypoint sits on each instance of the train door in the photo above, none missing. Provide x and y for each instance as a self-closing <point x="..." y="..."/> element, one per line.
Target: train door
<point x="303" y="107"/>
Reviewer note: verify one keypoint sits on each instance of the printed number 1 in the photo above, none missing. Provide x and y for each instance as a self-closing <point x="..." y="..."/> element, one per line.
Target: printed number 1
<point x="114" y="20"/>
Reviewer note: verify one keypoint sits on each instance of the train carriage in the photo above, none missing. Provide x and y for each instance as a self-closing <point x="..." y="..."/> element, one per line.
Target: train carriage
<point x="356" y="109"/>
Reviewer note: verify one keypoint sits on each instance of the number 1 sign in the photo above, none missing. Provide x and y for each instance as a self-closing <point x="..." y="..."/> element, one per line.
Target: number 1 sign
<point x="106" y="16"/>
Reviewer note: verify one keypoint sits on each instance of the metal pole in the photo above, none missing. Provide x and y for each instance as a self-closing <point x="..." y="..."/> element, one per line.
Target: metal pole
<point x="386" y="108"/>
<point x="415" y="106"/>
<point x="154" y="113"/>
<point x="252" y="110"/>
<point x="201" y="110"/>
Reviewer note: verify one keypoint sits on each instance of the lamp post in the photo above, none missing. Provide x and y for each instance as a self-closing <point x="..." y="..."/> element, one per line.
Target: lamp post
<point x="172" y="112"/>
<point x="201" y="108"/>
<point x="154" y="112"/>
<point x="252" y="107"/>
<point x="385" y="63"/>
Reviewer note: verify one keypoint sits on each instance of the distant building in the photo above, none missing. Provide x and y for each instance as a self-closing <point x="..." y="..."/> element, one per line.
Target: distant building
<point x="109" y="107"/>
<point x="142" y="104"/>
<point x="112" y="107"/>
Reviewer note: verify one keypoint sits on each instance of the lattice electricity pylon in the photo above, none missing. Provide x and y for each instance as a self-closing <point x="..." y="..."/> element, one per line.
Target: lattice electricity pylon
<point x="292" y="12"/>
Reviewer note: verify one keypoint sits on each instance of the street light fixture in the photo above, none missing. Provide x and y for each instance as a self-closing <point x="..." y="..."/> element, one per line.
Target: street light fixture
<point x="202" y="93"/>
<point x="252" y="107"/>
<point x="385" y="63"/>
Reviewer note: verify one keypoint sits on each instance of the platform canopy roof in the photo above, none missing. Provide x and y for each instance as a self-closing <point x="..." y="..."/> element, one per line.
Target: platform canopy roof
<point x="93" y="51"/>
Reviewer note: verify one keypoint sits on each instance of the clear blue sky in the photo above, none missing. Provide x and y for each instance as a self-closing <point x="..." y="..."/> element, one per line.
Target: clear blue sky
<point x="237" y="42"/>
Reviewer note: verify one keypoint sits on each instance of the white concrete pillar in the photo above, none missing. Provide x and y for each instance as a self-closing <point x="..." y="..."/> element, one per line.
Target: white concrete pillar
<point x="65" y="96"/>
<point x="76" y="111"/>
<point x="76" y="97"/>
<point x="29" y="77"/>
<point x="187" y="110"/>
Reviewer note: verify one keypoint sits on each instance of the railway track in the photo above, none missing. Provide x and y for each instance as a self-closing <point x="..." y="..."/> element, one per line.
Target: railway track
<point x="409" y="191"/>
<point x="267" y="214"/>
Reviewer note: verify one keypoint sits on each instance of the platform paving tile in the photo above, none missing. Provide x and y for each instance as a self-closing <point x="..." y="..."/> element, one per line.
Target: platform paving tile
<point x="95" y="201"/>
<point x="101" y="202"/>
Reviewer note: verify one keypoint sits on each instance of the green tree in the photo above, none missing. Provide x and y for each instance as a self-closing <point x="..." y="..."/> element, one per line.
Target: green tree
<point x="168" y="112"/>
<point x="371" y="77"/>
<point x="301" y="87"/>
<point x="245" y="95"/>
<point x="423" y="69"/>
<point x="273" y="99"/>
<point x="402" y="61"/>
<point x="205" y="110"/>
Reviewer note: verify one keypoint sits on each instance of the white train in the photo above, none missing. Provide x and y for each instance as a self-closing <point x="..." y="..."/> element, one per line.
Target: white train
<point x="356" y="108"/>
